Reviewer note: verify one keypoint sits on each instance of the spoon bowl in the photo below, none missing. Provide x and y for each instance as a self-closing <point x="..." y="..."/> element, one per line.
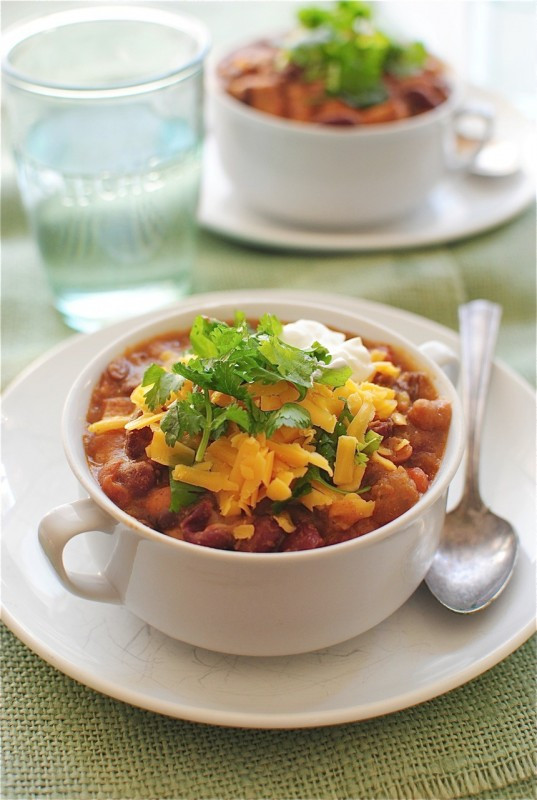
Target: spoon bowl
<point x="475" y="560"/>
<point x="478" y="549"/>
<point x="497" y="159"/>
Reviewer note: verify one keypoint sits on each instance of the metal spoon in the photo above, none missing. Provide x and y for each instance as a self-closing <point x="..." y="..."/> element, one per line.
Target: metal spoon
<point x="497" y="159"/>
<point x="479" y="152"/>
<point x="478" y="549"/>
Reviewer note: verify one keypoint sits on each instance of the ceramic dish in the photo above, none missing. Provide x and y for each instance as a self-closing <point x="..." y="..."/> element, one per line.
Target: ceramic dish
<point x="461" y="205"/>
<point x="261" y="603"/>
<point x="418" y="653"/>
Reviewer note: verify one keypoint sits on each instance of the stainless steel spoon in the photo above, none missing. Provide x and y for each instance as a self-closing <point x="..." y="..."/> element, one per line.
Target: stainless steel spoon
<point x="497" y="159"/>
<point x="480" y="152"/>
<point x="478" y="549"/>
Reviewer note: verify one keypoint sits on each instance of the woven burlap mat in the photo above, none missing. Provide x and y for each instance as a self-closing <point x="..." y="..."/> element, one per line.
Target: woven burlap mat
<point x="63" y="740"/>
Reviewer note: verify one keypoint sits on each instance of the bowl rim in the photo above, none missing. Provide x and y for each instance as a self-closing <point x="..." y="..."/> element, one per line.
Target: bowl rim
<point x="79" y="394"/>
<point x="19" y="33"/>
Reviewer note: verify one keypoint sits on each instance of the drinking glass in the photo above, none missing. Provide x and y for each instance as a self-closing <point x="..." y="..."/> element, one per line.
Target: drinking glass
<point x="105" y="113"/>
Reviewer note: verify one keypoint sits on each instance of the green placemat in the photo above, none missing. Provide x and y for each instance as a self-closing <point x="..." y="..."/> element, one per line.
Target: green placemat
<point x="67" y="741"/>
<point x="498" y="265"/>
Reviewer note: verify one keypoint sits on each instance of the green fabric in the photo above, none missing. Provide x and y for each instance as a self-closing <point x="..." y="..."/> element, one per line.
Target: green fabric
<point x="62" y="740"/>
<point x="498" y="265"/>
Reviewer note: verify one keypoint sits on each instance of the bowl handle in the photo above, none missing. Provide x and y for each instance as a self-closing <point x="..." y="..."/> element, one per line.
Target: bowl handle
<point x="444" y="357"/>
<point x="58" y="527"/>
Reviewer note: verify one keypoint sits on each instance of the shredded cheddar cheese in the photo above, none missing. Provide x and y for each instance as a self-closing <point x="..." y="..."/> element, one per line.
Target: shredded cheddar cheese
<point x="160" y="452"/>
<point x="242" y="468"/>
<point x="344" y="468"/>
<point x="109" y="424"/>
<point x="383" y="462"/>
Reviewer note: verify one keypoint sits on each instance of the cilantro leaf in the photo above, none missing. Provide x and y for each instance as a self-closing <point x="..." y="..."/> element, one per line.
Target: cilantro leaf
<point x="227" y="338"/>
<point x="337" y="376"/>
<point x="257" y="372"/>
<point x="342" y="48"/>
<point x="270" y="324"/>
<point x="183" y="419"/>
<point x="290" y="414"/>
<point x="348" y="11"/>
<point x="194" y="371"/>
<point x="227" y="358"/>
<point x="292" y="364"/>
<point x="319" y="352"/>
<point x="183" y="494"/>
<point x="227" y="380"/>
<point x="372" y="442"/>
<point x="403" y="61"/>
<point x="163" y="384"/>
<point x="326" y="443"/>
<point x="200" y="337"/>
<point x="231" y="413"/>
<point x="211" y="338"/>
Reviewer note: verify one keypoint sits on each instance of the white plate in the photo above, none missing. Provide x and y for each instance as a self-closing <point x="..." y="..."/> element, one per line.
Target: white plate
<point x="420" y="652"/>
<point x="462" y="205"/>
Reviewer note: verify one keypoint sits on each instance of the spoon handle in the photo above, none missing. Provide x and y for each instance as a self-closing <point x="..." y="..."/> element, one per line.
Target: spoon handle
<point x="479" y="323"/>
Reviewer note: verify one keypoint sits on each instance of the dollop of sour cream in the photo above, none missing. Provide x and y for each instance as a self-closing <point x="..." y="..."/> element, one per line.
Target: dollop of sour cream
<point x="345" y="352"/>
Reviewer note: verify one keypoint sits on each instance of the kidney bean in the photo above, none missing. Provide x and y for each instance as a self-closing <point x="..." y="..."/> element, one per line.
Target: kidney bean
<point x="136" y="441"/>
<point x="420" y="99"/>
<point x="299" y="513"/>
<point x="118" y="369"/>
<point x="137" y="476"/>
<point x="416" y="384"/>
<point x="430" y="415"/>
<point x="383" y="380"/>
<point x="123" y="480"/>
<point x="166" y="520"/>
<point x="336" y="112"/>
<point x="384" y="427"/>
<point x="218" y="536"/>
<point x="197" y="517"/>
<point x="304" y="537"/>
<point x="263" y="508"/>
<point x="419" y="477"/>
<point x="267" y="537"/>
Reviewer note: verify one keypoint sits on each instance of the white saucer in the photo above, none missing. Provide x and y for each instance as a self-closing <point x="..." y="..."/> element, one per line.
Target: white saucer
<point x="420" y="652"/>
<point x="461" y="206"/>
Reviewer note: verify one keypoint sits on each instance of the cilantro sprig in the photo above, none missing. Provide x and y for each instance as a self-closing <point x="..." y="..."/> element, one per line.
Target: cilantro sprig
<point x="326" y="443"/>
<point x="226" y="358"/>
<point x="370" y="444"/>
<point x="342" y="48"/>
<point x="161" y="384"/>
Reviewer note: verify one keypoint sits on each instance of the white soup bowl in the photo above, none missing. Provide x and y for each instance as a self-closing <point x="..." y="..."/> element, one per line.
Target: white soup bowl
<point x="256" y="604"/>
<point x="337" y="177"/>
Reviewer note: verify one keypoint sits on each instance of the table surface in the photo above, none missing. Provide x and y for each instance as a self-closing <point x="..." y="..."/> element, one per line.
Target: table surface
<point x="63" y="740"/>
